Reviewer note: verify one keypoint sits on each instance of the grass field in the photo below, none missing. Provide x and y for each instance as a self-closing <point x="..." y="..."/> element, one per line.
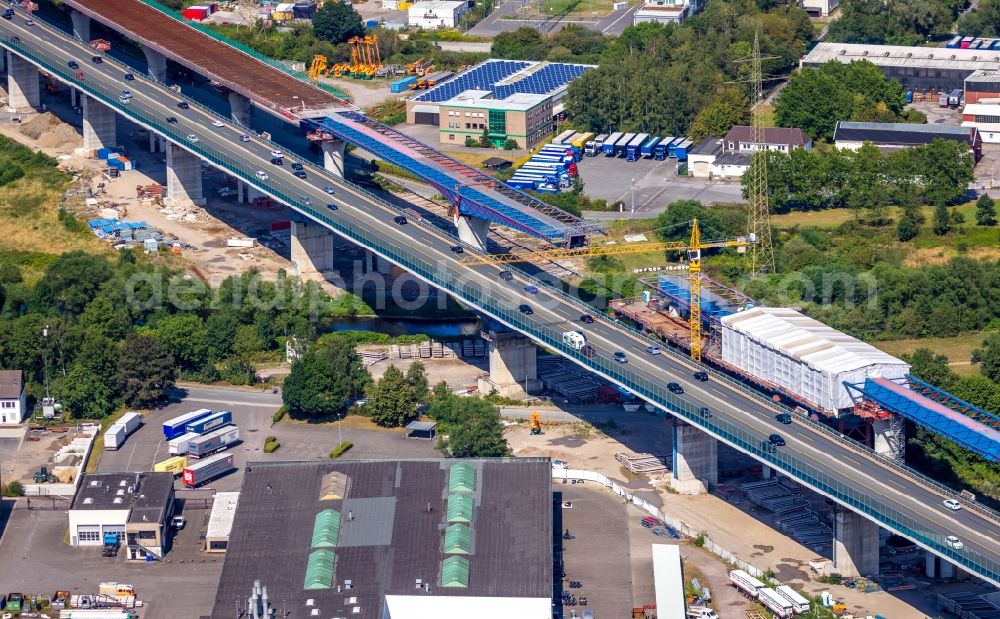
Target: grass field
<point x="826" y="218"/>
<point x="576" y="7"/>
<point x="958" y="349"/>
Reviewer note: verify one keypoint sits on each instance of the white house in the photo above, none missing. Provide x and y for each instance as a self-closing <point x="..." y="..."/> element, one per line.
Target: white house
<point x="729" y="156"/>
<point x="819" y="7"/>
<point x="437" y="14"/>
<point x="12" y="397"/>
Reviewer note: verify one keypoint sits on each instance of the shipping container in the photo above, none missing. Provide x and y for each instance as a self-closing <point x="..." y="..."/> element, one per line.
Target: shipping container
<point x="206" y="470"/>
<point x="209" y="423"/>
<point x="171" y="465"/>
<point x="195" y="13"/>
<point x="955" y="42"/>
<point x="212" y="442"/>
<point x="682" y="150"/>
<point x="580" y="139"/>
<point x="178" y="425"/>
<point x="114" y="437"/>
<point x="799" y="603"/>
<point x="608" y="148"/>
<point x="633" y="150"/>
<point x="179" y="446"/>
<point x="966" y="42"/>
<point x="403" y="85"/>
<point x="649" y="146"/>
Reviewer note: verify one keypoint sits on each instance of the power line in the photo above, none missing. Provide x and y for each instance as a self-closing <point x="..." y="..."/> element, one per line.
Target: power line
<point x="760" y="254"/>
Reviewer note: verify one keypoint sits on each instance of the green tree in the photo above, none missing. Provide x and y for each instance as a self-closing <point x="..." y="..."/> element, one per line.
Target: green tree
<point x="324" y="380"/>
<point x="390" y="400"/>
<point x="988" y="357"/>
<point x="946" y="169"/>
<point x="813" y="101"/>
<point x="730" y="107"/>
<point x="931" y="368"/>
<point x="416" y="377"/>
<point x="246" y="345"/>
<point x="145" y="371"/>
<point x="978" y="391"/>
<point x="87" y="395"/>
<point x="335" y="22"/>
<point x="473" y="427"/>
<point x="986" y="211"/>
<point x="522" y="44"/>
<point x="982" y="21"/>
<point x="185" y="337"/>
<point x="942" y="219"/>
<point x="71" y="282"/>
<point x="906" y="228"/>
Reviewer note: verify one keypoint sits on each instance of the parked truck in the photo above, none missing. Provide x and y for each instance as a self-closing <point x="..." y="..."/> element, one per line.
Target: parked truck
<point x="662" y="149"/>
<point x="178" y="425"/>
<point x="116" y="434"/>
<point x="212" y="442"/>
<point x="599" y="144"/>
<point x="633" y="150"/>
<point x="621" y="145"/>
<point x="650" y="146"/>
<point x="212" y="422"/>
<point x="173" y="465"/>
<point x="182" y="444"/>
<point x="609" y="145"/>
<point x="207" y="470"/>
<point x="746" y="583"/>
<point x="955" y="98"/>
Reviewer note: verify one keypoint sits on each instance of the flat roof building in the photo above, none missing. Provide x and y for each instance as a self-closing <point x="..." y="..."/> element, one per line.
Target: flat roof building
<point x="916" y="68"/>
<point x="509" y="99"/>
<point x="135" y="506"/>
<point x="399" y="539"/>
<point x="433" y="14"/>
<point x="893" y="136"/>
<point x="220" y="521"/>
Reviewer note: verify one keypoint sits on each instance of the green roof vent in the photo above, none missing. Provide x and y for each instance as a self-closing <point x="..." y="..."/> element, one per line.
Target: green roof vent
<point x="462" y="478"/>
<point x="458" y="540"/>
<point x="459" y="508"/>
<point x="455" y="572"/>
<point x="326" y="528"/>
<point x="319" y="570"/>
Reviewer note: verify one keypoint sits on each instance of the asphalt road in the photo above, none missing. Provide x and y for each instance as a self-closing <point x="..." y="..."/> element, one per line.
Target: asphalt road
<point x="865" y="475"/>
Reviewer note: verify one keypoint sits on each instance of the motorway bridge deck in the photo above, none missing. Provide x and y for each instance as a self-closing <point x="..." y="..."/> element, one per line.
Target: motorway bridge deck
<point x="875" y="487"/>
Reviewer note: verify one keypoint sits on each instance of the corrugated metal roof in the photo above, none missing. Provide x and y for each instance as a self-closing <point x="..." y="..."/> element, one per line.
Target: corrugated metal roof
<point x="984" y="76"/>
<point x="819" y="346"/>
<point x="900" y="56"/>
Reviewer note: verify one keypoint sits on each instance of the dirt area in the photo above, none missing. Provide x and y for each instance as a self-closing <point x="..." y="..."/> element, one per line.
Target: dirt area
<point x="366" y="93"/>
<point x="456" y="372"/>
<point x="203" y="231"/>
<point x="734" y="526"/>
<point x="35" y="449"/>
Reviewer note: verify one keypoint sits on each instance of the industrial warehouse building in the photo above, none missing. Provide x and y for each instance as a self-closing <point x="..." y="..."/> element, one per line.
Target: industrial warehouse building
<point x="729" y="156"/>
<point x="406" y="539"/>
<point x="922" y="69"/>
<point x="892" y="136"/>
<point x="800" y="355"/>
<point x="135" y="506"/>
<point x="508" y="99"/>
<point x="220" y="521"/>
<point x="436" y="14"/>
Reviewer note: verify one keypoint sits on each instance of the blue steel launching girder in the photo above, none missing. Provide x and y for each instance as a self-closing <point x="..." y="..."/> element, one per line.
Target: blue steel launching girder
<point x="967" y="430"/>
<point x="471" y="191"/>
<point x="946" y="399"/>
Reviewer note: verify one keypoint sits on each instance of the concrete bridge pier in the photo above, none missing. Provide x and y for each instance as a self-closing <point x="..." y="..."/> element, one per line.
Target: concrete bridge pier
<point x="183" y="177"/>
<point x="23" y="90"/>
<point x="513" y="365"/>
<point x="240" y="108"/>
<point x="472" y="231"/>
<point x="374" y="263"/>
<point x="157" y="64"/>
<point x="333" y="156"/>
<point x="890" y="437"/>
<point x="312" y="248"/>
<point x="695" y="460"/>
<point x="81" y="26"/>
<point x="936" y="567"/>
<point x="855" y="544"/>
<point x="98" y="125"/>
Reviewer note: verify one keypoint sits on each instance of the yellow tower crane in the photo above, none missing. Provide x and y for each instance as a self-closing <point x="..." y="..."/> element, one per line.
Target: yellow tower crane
<point x="692" y="247"/>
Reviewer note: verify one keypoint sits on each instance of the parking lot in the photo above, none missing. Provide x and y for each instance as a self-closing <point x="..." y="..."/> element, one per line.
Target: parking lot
<point x="252" y="413"/>
<point x="656" y="184"/>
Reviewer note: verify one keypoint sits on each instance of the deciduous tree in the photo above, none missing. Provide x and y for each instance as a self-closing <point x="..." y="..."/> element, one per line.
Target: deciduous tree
<point x="145" y="371"/>
<point x="336" y="22"/>
<point x="325" y="380"/>
<point x="390" y="400"/>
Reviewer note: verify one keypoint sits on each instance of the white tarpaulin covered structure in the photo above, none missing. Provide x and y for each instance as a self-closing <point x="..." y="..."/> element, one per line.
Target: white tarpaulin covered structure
<point x="803" y="356"/>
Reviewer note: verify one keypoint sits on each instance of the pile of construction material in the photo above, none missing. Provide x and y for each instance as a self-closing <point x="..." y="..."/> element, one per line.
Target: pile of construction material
<point x="644" y="464"/>
<point x="430" y="349"/>
<point x="560" y="376"/>
<point x="793" y="515"/>
<point x="124" y="233"/>
<point x="969" y="605"/>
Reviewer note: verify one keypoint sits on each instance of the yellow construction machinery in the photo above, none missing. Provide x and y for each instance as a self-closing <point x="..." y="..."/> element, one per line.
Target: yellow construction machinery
<point x="692" y="247"/>
<point x="317" y="68"/>
<point x="536" y="423"/>
<point x="365" y="56"/>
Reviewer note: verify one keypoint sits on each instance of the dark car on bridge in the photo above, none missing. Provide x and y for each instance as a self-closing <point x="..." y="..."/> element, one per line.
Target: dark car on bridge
<point x="525" y="309"/>
<point x="172" y="120"/>
<point x="587" y="319"/>
<point x="8" y="14"/>
<point x="506" y="276"/>
<point x="701" y="375"/>
<point x="277" y="161"/>
<point x="300" y="173"/>
<point x="784" y="418"/>
<point x="675" y="388"/>
<point x="129" y="77"/>
<point x="331" y="206"/>
<point x="399" y="219"/>
<point x="96" y="59"/>
<point x="458" y="249"/>
<point x="183" y="105"/>
<point x="776" y="440"/>
<point x="588" y="351"/>
<point x="73" y="64"/>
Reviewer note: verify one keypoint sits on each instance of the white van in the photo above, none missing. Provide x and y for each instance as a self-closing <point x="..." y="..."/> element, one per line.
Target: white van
<point x="574" y="339"/>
